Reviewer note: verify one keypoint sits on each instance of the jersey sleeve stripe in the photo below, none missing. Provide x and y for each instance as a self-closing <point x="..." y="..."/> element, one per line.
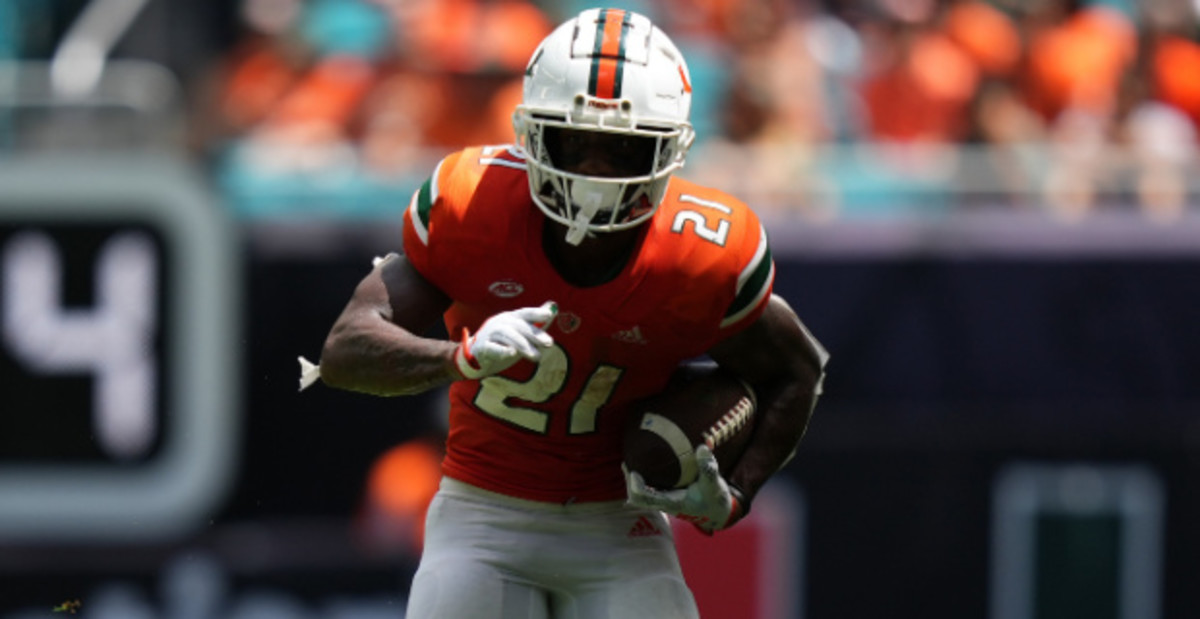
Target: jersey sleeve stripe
<point x="414" y="211"/>
<point x="422" y="204"/>
<point x="762" y="251"/>
<point x="754" y="282"/>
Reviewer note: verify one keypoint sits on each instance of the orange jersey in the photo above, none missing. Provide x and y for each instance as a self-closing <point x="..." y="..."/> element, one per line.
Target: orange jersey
<point x="552" y="431"/>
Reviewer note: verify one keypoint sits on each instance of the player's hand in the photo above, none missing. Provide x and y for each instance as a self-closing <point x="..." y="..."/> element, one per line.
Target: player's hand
<point x="505" y="339"/>
<point x="707" y="503"/>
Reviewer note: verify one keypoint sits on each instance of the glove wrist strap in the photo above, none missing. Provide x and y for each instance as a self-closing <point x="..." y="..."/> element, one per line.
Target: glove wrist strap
<point x="741" y="505"/>
<point x="464" y="361"/>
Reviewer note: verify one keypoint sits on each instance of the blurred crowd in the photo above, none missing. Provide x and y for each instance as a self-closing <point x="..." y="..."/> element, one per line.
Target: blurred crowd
<point x="842" y="107"/>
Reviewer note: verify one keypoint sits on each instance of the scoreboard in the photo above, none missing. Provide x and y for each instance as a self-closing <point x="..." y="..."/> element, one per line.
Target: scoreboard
<point x="118" y="335"/>
<point x="82" y="341"/>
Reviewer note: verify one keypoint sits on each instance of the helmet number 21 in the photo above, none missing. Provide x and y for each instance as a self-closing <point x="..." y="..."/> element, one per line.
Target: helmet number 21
<point x="548" y="381"/>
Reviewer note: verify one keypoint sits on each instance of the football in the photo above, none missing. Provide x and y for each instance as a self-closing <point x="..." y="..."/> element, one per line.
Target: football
<point x="701" y="404"/>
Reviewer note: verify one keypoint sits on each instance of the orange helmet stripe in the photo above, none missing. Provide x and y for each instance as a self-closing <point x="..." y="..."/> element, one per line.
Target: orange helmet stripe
<point x="608" y="54"/>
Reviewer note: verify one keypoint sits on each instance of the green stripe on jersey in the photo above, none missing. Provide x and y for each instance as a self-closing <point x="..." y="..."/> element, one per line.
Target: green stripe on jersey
<point x="752" y="290"/>
<point x="425" y="202"/>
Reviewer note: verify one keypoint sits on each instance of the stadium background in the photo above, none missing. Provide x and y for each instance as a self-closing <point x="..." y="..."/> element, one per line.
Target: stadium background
<point x="985" y="210"/>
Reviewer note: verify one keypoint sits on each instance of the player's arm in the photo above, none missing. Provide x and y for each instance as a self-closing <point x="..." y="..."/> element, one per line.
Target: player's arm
<point x="783" y="362"/>
<point x="375" y="345"/>
<point x="785" y="365"/>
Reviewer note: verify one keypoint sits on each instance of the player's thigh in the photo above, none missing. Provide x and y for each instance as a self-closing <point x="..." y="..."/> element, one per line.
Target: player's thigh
<point x="472" y="589"/>
<point x="471" y="567"/>
<point x="664" y="596"/>
<point x="637" y="577"/>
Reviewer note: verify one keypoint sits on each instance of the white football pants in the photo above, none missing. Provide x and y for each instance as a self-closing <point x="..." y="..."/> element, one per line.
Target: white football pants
<point x="492" y="556"/>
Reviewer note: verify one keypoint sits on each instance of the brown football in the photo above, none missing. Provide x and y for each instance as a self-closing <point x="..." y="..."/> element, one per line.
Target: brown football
<point x="702" y="404"/>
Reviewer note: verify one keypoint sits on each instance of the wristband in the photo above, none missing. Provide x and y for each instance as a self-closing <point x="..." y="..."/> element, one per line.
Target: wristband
<point x="464" y="362"/>
<point x="739" y="500"/>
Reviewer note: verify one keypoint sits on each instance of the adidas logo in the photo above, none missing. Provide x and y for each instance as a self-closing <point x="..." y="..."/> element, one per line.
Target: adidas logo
<point x="644" y="527"/>
<point x="630" y="336"/>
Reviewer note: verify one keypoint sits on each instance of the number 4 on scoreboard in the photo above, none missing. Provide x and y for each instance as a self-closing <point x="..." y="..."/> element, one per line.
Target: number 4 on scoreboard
<point x="113" y="341"/>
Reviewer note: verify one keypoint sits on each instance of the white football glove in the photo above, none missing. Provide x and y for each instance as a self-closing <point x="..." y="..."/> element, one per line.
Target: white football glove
<point x="504" y="339"/>
<point x="707" y="502"/>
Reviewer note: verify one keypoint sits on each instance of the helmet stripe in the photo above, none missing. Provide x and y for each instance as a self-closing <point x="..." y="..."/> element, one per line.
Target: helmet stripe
<point x="608" y="54"/>
<point x="618" y="78"/>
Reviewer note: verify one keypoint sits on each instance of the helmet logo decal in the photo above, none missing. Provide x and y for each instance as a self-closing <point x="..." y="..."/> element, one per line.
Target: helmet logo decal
<point x="687" y="85"/>
<point x="533" y="61"/>
<point x="608" y="54"/>
<point x="603" y="104"/>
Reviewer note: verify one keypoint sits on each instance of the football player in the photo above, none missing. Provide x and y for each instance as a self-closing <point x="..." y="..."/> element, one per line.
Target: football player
<point x="575" y="272"/>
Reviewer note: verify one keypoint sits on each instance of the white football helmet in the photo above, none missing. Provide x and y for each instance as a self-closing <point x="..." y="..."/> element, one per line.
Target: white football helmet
<point x="611" y="71"/>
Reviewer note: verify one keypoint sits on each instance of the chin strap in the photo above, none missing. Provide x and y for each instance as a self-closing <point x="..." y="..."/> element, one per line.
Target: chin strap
<point x="590" y="198"/>
<point x="578" y="229"/>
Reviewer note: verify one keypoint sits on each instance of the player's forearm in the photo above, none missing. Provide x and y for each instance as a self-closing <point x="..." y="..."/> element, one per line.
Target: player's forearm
<point x="383" y="359"/>
<point x="784" y="412"/>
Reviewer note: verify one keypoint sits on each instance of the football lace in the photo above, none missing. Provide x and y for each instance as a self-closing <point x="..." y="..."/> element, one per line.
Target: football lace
<point x="729" y="423"/>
